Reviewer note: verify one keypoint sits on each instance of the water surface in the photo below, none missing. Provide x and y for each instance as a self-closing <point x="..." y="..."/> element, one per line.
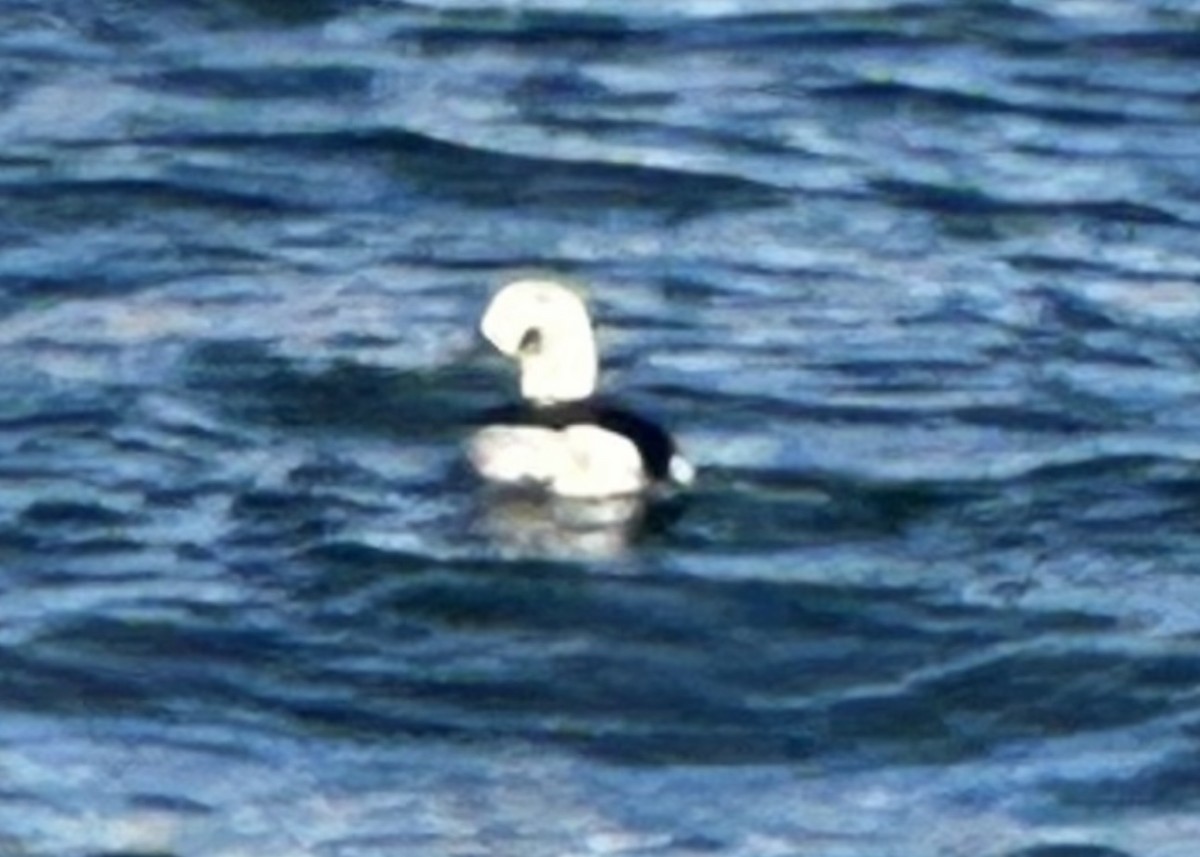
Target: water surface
<point x="916" y="284"/>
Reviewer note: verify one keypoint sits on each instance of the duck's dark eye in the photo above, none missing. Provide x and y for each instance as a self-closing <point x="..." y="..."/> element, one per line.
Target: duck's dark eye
<point x="531" y="342"/>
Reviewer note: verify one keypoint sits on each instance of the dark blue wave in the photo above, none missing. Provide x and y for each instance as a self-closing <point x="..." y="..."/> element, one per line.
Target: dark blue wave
<point x="972" y="201"/>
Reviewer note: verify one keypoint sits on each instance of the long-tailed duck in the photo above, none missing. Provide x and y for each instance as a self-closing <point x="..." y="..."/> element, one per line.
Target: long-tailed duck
<point x="562" y="437"/>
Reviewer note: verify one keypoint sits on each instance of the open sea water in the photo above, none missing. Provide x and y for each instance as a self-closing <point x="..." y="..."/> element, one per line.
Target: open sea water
<point x="917" y="284"/>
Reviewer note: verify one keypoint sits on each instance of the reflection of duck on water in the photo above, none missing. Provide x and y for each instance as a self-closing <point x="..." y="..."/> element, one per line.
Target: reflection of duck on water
<point x="561" y="438"/>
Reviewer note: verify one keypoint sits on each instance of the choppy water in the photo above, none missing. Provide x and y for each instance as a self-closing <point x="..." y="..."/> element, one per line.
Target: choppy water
<point x="917" y="283"/>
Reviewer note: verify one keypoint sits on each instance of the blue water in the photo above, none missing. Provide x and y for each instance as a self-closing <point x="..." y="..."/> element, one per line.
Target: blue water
<point x="916" y="284"/>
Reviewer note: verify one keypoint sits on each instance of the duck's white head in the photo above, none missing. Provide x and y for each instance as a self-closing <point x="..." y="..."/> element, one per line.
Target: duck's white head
<point x="546" y="328"/>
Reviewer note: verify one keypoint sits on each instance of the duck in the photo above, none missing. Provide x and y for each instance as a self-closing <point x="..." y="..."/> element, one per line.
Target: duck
<point x="562" y="437"/>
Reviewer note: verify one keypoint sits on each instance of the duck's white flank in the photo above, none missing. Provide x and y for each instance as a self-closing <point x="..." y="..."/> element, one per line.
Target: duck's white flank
<point x="546" y="328"/>
<point x="578" y="461"/>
